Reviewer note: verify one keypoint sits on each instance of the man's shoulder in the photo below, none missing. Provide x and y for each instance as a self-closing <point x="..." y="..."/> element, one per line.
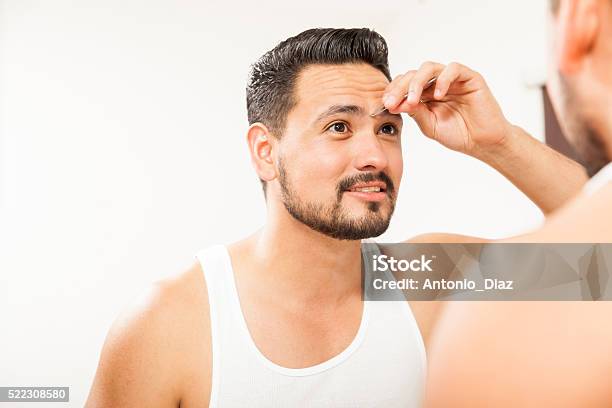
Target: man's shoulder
<point x="168" y="303"/>
<point x="160" y="340"/>
<point x="584" y="219"/>
<point x="444" y="238"/>
<point x="169" y="312"/>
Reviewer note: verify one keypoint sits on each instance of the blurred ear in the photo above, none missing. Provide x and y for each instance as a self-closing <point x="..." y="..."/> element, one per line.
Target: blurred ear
<point x="578" y="24"/>
<point x="262" y="146"/>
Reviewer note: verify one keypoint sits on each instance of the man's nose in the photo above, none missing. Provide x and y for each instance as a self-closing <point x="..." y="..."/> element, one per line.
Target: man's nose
<point x="369" y="154"/>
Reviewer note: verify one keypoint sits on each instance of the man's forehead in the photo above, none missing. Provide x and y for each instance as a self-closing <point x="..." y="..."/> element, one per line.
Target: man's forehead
<point x="318" y="82"/>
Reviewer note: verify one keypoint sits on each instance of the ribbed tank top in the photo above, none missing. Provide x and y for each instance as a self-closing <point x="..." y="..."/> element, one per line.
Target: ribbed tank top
<point x="384" y="365"/>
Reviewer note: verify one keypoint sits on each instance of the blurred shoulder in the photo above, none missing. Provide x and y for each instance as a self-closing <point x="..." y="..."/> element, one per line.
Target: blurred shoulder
<point x="584" y="219"/>
<point x="444" y="238"/>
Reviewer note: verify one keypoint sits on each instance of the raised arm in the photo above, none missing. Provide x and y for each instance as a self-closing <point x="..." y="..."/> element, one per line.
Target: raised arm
<point x="547" y="177"/>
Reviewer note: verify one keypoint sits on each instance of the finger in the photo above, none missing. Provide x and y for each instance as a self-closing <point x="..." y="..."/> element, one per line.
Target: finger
<point x="426" y="97"/>
<point x="396" y="90"/>
<point x="427" y="93"/>
<point x="392" y="84"/>
<point x="405" y="107"/>
<point x="453" y="72"/>
<point x="425" y="73"/>
<point x="420" y="113"/>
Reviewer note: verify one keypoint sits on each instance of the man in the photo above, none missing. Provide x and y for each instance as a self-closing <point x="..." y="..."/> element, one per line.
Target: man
<point x="277" y="318"/>
<point x="546" y="354"/>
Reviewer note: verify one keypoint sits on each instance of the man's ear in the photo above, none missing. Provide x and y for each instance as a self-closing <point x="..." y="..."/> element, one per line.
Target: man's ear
<point x="262" y="146"/>
<point x="577" y="31"/>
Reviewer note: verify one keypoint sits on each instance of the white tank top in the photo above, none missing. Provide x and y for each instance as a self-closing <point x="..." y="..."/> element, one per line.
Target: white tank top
<point x="384" y="366"/>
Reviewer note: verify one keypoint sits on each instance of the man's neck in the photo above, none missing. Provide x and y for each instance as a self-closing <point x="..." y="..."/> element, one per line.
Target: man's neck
<point x="303" y="263"/>
<point x="599" y="117"/>
<point x="608" y="139"/>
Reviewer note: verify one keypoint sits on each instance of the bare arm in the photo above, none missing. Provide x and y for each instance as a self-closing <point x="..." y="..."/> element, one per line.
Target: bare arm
<point x="547" y="177"/>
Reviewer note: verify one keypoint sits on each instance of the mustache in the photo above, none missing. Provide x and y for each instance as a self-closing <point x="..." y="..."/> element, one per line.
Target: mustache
<point x="346" y="183"/>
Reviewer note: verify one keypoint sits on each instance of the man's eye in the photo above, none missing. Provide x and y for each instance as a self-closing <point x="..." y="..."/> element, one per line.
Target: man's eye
<point x="338" y="127"/>
<point x="389" y="129"/>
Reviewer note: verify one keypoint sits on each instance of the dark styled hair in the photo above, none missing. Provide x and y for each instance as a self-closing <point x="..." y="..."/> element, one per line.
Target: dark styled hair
<point x="270" y="86"/>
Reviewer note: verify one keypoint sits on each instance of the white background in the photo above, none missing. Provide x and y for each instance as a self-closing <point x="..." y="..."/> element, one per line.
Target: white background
<point x="122" y="148"/>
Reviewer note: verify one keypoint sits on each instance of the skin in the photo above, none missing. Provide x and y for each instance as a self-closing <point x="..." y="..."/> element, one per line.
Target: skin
<point x="314" y="304"/>
<point x="535" y="354"/>
<point x="158" y="354"/>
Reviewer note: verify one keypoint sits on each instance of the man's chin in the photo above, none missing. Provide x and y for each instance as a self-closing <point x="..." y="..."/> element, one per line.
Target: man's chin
<point x="357" y="234"/>
<point x="363" y="208"/>
<point x="352" y="226"/>
<point x="370" y="224"/>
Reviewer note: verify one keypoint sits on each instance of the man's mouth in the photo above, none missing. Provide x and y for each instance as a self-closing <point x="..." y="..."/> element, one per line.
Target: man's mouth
<point x="370" y="191"/>
<point x="370" y="187"/>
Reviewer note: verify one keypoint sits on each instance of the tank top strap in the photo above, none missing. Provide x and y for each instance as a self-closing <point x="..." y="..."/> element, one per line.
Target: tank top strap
<point x="216" y="267"/>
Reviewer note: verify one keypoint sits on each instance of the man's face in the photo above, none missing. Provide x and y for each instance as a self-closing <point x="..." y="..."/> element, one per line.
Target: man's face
<point x="575" y="103"/>
<point x="339" y="168"/>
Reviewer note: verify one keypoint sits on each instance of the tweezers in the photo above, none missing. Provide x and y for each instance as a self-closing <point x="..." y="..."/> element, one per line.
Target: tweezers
<point x="427" y="86"/>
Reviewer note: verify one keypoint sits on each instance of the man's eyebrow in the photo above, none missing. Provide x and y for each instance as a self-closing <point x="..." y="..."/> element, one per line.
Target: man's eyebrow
<point x="391" y="115"/>
<point x="353" y="110"/>
<point x="336" y="109"/>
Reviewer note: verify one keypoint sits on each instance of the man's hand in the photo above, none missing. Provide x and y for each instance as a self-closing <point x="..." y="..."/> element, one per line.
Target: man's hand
<point x="458" y="110"/>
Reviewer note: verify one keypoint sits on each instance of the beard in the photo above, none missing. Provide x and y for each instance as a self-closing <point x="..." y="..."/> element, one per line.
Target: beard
<point x="332" y="219"/>
<point x="586" y="140"/>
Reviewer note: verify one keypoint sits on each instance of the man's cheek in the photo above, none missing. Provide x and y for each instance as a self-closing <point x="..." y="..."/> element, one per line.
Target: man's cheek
<point x="396" y="169"/>
<point x="312" y="176"/>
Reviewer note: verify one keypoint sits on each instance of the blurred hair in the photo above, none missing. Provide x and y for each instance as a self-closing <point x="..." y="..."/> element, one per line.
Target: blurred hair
<point x="554" y="5"/>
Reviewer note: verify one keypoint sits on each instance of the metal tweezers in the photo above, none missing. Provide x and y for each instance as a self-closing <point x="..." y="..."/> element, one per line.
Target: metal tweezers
<point x="427" y="86"/>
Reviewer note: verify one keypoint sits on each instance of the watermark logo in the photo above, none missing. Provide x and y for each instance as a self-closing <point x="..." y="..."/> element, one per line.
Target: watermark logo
<point x="384" y="263"/>
<point x="492" y="271"/>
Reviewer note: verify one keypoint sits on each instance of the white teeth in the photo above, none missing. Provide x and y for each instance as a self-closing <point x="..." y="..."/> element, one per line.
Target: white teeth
<point x="368" y="189"/>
